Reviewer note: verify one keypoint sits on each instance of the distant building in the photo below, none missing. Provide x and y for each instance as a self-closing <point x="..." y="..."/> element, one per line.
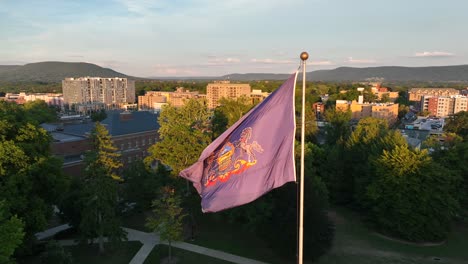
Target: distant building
<point x="132" y="133"/>
<point x="257" y="96"/>
<point x="319" y="109"/>
<point x="380" y="92"/>
<point x="111" y="93"/>
<point x="387" y="111"/>
<point x="415" y="94"/>
<point x="225" y="89"/>
<point x="52" y="99"/>
<point x="443" y="106"/>
<point x="464" y="92"/>
<point x="154" y="100"/>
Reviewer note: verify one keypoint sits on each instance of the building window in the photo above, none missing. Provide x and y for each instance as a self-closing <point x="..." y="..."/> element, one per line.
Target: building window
<point x="129" y="145"/>
<point x="143" y="142"/>
<point x="129" y="159"/>
<point x="136" y="143"/>
<point x="150" y="141"/>
<point x="122" y="146"/>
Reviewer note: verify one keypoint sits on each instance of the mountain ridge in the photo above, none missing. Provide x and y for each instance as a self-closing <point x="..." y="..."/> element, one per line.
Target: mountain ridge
<point x="55" y="71"/>
<point x="387" y="73"/>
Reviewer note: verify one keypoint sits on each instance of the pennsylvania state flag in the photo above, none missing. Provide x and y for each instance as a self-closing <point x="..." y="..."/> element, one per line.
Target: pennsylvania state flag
<point x="252" y="157"/>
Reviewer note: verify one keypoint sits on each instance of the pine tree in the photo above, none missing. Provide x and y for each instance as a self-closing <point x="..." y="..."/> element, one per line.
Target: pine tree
<point x="99" y="216"/>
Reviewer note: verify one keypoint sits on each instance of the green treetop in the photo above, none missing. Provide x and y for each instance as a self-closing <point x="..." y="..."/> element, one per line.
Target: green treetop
<point x="99" y="215"/>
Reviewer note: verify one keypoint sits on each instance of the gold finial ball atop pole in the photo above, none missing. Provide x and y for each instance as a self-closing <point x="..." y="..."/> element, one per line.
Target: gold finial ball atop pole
<point x="304" y="56"/>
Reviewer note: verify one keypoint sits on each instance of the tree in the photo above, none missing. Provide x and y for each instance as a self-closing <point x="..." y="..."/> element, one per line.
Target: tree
<point x="279" y="208"/>
<point x="38" y="111"/>
<point x="369" y="96"/>
<point x="98" y="116"/>
<point x="31" y="180"/>
<point x="11" y="233"/>
<point x="99" y="215"/>
<point x="338" y="128"/>
<point x="458" y="123"/>
<point x="168" y="217"/>
<point x="184" y="132"/>
<point x="385" y="98"/>
<point x="229" y="111"/>
<point x="454" y="158"/>
<point x="413" y="197"/>
<point x="140" y="183"/>
<point x="54" y="253"/>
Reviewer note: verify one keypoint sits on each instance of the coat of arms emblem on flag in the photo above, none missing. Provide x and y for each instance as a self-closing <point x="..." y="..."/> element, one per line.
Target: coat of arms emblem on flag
<point x="232" y="158"/>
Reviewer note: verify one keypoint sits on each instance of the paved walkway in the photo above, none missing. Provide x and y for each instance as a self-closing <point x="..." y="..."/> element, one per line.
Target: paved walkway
<point x="149" y="241"/>
<point x="214" y="253"/>
<point x="52" y="231"/>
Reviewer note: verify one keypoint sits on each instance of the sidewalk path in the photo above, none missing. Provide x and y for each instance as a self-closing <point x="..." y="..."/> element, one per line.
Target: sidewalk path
<point x="52" y="231"/>
<point x="149" y="241"/>
<point x="215" y="253"/>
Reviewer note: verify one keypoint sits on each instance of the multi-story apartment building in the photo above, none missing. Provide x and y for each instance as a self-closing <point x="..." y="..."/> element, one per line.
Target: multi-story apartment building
<point x="110" y="92"/>
<point x="225" y="89"/>
<point x="442" y="106"/>
<point x="415" y="94"/>
<point x="132" y="133"/>
<point x="387" y="111"/>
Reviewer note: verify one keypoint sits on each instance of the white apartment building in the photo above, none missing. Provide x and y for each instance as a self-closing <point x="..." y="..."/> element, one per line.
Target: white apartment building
<point x="112" y="92"/>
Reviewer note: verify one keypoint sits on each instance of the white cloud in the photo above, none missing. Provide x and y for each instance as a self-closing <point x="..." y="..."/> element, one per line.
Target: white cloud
<point x="171" y="70"/>
<point x="223" y="61"/>
<point x="272" y="61"/>
<point x="360" y="61"/>
<point x="321" y="63"/>
<point x="433" y="54"/>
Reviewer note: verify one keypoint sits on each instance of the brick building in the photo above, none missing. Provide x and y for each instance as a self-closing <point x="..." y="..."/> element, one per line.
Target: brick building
<point x="416" y="94"/>
<point x="443" y="106"/>
<point x="132" y="133"/>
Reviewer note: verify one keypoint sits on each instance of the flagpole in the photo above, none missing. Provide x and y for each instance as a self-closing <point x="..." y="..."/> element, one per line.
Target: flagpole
<point x="304" y="57"/>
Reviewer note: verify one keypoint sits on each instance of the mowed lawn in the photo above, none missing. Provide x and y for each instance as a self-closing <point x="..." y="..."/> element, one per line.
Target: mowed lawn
<point x="354" y="243"/>
<point x="160" y="252"/>
<point x="84" y="254"/>
<point x="215" y="234"/>
<point x="89" y="254"/>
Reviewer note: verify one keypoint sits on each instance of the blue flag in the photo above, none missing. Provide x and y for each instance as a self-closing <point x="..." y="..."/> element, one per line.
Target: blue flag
<point x="252" y="157"/>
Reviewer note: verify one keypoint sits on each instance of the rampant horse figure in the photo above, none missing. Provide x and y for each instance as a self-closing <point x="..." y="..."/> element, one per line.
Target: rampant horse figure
<point x="246" y="147"/>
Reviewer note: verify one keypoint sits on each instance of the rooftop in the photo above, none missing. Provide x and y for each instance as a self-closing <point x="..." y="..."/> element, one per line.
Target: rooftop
<point x="118" y="123"/>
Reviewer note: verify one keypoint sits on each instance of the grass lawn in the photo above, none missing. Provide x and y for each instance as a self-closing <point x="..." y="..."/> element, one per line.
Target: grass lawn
<point x="212" y="233"/>
<point x="89" y="254"/>
<point x="354" y="243"/>
<point x="183" y="256"/>
<point x="136" y="221"/>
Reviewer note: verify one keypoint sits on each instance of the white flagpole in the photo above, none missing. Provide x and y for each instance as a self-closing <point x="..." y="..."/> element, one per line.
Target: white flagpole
<point x="304" y="57"/>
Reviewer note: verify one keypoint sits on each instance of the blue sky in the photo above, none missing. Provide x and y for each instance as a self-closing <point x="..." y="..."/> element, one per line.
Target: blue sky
<point x="216" y="37"/>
